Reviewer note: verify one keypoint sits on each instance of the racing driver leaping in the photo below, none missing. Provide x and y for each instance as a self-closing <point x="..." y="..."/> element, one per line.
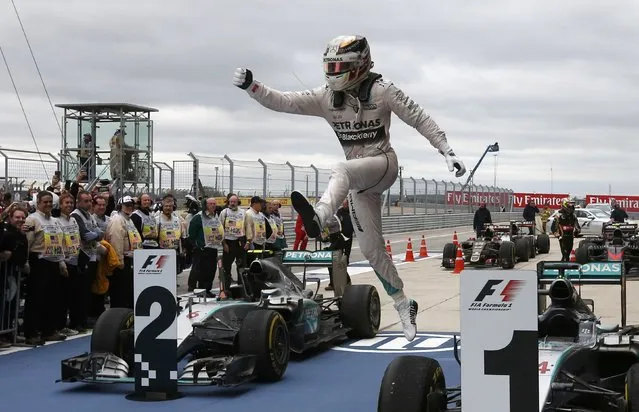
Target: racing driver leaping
<point x="357" y="103"/>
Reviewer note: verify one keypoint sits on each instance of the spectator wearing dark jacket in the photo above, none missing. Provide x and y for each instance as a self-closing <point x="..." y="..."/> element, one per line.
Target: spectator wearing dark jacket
<point x="13" y="256"/>
<point x="482" y="218"/>
<point x="529" y="214"/>
<point x="618" y="215"/>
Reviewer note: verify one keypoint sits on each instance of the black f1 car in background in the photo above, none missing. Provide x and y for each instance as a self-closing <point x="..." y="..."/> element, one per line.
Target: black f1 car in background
<point x="500" y="245"/>
<point x="248" y="337"/>
<point x="539" y="242"/>
<point x="583" y="366"/>
<point x="618" y="242"/>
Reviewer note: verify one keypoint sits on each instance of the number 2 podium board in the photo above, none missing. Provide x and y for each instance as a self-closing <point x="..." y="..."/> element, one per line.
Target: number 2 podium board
<point x="155" y="325"/>
<point x="499" y="355"/>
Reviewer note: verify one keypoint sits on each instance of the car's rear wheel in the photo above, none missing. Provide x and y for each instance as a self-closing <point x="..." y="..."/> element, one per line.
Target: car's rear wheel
<point x="264" y="334"/>
<point x="533" y="248"/>
<point x="507" y="254"/>
<point x="361" y="310"/>
<point x="413" y="384"/>
<point x="543" y="243"/>
<point x="522" y="249"/>
<point x="113" y="333"/>
<point x="581" y="255"/>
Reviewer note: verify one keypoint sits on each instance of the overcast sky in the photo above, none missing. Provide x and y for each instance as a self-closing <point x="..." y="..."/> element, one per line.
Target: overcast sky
<point x="552" y="81"/>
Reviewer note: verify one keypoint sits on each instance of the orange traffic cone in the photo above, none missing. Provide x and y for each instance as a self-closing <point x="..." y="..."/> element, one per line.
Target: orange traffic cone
<point x="455" y="241"/>
<point x="409" y="252"/>
<point x="459" y="262"/>
<point x="388" y="249"/>
<point x="423" y="252"/>
<point x="573" y="257"/>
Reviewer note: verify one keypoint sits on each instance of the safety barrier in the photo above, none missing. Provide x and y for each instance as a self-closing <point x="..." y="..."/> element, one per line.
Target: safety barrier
<point x="415" y="223"/>
<point x="9" y="300"/>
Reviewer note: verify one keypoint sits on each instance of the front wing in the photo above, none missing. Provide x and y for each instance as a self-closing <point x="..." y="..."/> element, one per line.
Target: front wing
<point x="98" y="368"/>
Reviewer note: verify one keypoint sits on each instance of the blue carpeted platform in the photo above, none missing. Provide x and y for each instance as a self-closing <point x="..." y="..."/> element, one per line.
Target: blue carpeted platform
<point x="338" y="380"/>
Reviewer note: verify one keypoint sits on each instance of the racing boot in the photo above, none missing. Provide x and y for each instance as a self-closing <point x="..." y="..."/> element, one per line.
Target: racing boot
<point x="311" y="221"/>
<point x="407" y="310"/>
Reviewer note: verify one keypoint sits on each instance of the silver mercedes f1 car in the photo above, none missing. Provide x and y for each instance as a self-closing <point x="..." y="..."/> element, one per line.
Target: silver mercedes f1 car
<point x="583" y="365"/>
<point x="247" y="337"/>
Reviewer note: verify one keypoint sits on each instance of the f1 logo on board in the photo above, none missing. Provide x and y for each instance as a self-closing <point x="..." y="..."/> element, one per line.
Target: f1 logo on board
<point x="153" y="264"/>
<point x="489" y="299"/>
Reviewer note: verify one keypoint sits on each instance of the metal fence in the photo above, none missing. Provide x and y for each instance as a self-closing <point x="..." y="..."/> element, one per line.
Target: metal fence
<point x="25" y="168"/>
<point x="201" y="175"/>
<point x="220" y="175"/>
<point x="417" y="223"/>
<point x="163" y="176"/>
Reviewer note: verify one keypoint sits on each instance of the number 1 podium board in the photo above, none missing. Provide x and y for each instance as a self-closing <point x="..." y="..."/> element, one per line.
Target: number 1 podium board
<point x="499" y="355"/>
<point x="155" y="325"/>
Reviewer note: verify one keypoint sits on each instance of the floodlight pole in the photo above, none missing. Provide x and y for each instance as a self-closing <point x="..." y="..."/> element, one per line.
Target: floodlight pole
<point x="493" y="148"/>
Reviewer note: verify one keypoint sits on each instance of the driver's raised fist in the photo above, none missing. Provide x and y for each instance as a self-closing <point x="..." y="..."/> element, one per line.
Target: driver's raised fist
<point x="242" y="78"/>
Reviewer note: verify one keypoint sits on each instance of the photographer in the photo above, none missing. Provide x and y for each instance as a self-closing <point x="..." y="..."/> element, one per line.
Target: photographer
<point x="13" y="255"/>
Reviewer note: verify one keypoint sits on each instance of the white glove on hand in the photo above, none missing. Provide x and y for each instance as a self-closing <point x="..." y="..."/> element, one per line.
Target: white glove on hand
<point x="453" y="163"/>
<point x="242" y="78"/>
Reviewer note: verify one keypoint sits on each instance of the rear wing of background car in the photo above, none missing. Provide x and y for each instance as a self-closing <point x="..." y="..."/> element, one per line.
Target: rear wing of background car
<point x="591" y="273"/>
<point x="523" y="223"/>
<point x="499" y="228"/>
<point x="626" y="228"/>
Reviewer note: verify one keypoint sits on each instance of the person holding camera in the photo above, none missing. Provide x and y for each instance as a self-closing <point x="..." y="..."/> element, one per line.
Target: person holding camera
<point x="13" y="258"/>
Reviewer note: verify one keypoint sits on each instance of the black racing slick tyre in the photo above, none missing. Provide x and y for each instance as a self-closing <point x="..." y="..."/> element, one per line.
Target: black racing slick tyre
<point x="533" y="247"/>
<point x="412" y="384"/>
<point x="264" y="334"/>
<point x="581" y="255"/>
<point x="113" y="333"/>
<point x="361" y="310"/>
<point x="522" y="249"/>
<point x="632" y="388"/>
<point x="507" y="254"/>
<point x="449" y="254"/>
<point x="543" y="243"/>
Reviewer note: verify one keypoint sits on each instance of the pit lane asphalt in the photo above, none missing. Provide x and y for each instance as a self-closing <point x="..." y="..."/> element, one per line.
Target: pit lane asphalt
<point x="435" y="241"/>
<point x="338" y="379"/>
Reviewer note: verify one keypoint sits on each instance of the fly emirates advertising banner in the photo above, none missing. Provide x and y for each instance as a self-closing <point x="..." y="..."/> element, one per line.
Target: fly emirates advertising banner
<point x="629" y="203"/>
<point x="519" y="200"/>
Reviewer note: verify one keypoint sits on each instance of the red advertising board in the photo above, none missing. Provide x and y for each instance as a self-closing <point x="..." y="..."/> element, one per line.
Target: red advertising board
<point x="629" y="203"/>
<point x="491" y="198"/>
<point x="520" y="200"/>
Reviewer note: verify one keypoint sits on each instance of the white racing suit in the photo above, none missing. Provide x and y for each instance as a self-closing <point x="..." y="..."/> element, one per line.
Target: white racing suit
<point x="371" y="168"/>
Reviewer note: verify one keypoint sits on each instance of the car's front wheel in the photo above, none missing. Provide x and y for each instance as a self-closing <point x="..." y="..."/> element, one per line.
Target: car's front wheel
<point x="113" y="333"/>
<point x="264" y="334"/>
